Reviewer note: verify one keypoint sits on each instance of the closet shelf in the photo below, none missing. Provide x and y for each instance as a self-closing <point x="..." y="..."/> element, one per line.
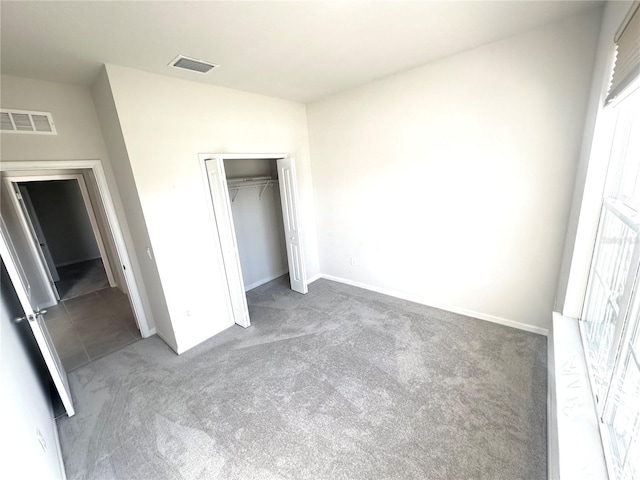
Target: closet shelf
<point x="236" y="184"/>
<point x="249" y="181"/>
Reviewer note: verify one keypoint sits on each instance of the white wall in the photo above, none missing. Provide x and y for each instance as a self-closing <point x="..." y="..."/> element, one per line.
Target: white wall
<point x="238" y="168"/>
<point x="166" y="123"/>
<point x="451" y="183"/>
<point x="591" y="173"/>
<point x="24" y="400"/>
<point x="258" y="223"/>
<point x="79" y="138"/>
<point x="146" y="269"/>
<point x="64" y="220"/>
<point x="73" y="112"/>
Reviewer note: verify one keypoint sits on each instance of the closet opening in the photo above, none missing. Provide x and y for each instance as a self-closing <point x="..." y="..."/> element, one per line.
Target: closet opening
<point x="255" y="210"/>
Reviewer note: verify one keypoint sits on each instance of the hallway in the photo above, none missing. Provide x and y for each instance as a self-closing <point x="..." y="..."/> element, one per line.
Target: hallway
<point x="81" y="278"/>
<point x="90" y="326"/>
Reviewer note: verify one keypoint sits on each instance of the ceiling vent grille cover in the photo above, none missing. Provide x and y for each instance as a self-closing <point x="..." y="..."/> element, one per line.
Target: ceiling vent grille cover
<point x="192" y="64"/>
<point x="25" y="121"/>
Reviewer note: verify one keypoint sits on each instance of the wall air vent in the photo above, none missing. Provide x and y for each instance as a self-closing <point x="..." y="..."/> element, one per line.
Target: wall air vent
<point x="24" y="121"/>
<point x="193" y="64"/>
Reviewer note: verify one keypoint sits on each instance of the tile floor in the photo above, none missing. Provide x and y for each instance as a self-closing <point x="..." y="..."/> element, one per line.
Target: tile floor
<point x="90" y="326"/>
<point x="81" y="278"/>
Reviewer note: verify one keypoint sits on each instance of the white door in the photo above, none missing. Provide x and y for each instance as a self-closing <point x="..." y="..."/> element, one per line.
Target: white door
<point x="31" y="232"/>
<point x="44" y="246"/>
<point x="33" y="315"/>
<point x="289" y="199"/>
<point x="227" y="237"/>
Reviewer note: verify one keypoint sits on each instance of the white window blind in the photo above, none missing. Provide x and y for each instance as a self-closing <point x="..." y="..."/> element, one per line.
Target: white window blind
<point x="627" y="67"/>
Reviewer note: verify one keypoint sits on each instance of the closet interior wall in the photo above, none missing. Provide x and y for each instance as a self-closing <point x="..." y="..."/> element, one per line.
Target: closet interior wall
<point x="257" y="219"/>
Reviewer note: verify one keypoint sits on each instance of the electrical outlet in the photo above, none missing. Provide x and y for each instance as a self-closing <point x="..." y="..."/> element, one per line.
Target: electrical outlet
<point x="354" y="261"/>
<point x="41" y="440"/>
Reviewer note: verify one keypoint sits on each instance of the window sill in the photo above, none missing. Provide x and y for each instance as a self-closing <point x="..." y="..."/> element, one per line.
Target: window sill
<point x="575" y="446"/>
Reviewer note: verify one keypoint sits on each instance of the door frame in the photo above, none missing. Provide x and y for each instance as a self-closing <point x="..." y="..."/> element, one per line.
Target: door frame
<point x="40" y="236"/>
<point x="8" y="179"/>
<point x="26" y="224"/>
<point x="140" y="310"/>
<point x="225" y="211"/>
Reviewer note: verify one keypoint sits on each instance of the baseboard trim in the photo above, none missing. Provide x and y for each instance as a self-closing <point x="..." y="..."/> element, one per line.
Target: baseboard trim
<point x="314" y="278"/>
<point x="170" y="344"/>
<point x="73" y="262"/>
<point x="265" y="280"/>
<point x="219" y="328"/>
<point x="58" y="446"/>
<point x="422" y="301"/>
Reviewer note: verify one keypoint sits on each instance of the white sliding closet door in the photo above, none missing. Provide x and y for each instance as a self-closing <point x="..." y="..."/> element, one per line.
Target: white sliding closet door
<point x="227" y="236"/>
<point x="291" y="218"/>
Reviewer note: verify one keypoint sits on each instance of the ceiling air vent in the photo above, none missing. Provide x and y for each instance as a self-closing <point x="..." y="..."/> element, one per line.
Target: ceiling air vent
<point x="24" y="121"/>
<point x="192" y="64"/>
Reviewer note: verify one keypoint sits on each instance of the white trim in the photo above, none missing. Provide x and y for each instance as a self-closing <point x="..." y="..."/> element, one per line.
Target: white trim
<point x="171" y="345"/>
<point x="293" y="226"/>
<point x="578" y="451"/>
<point x="88" y="206"/>
<point x="598" y="156"/>
<point x="241" y="156"/>
<point x="96" y="230"/>
<point x="449" y="308"/>
<point x="226" y="209"/>
<point x="24" y="221"/>
<point x="64" y="264"/>
<point x="35" y="221"/>
<point x="56" y="438"/>
<point x="317" y="276"/>
<point x="224" y="231"/>
<point x="204" y="174"/>
<point x="265" y="280"/>
<point x="141" y="311"/>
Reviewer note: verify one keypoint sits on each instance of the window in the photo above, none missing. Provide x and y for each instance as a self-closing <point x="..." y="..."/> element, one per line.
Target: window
<point x="610" y="320"/>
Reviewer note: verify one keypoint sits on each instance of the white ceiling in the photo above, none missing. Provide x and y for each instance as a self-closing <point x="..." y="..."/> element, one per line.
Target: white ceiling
<point x="295" y="50"/>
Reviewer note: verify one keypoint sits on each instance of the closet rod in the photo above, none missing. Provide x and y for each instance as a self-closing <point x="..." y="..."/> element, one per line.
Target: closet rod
<point x="248" y="184"/>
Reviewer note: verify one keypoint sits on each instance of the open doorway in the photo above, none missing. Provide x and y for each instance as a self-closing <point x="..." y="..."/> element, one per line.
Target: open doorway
<point x="68" y="244"/>
<point x="68" y="235"/>
<point x="255" y="209"/>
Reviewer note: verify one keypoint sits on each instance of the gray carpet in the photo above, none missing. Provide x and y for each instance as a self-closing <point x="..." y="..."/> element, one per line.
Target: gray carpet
<point x="339" y="384"/>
